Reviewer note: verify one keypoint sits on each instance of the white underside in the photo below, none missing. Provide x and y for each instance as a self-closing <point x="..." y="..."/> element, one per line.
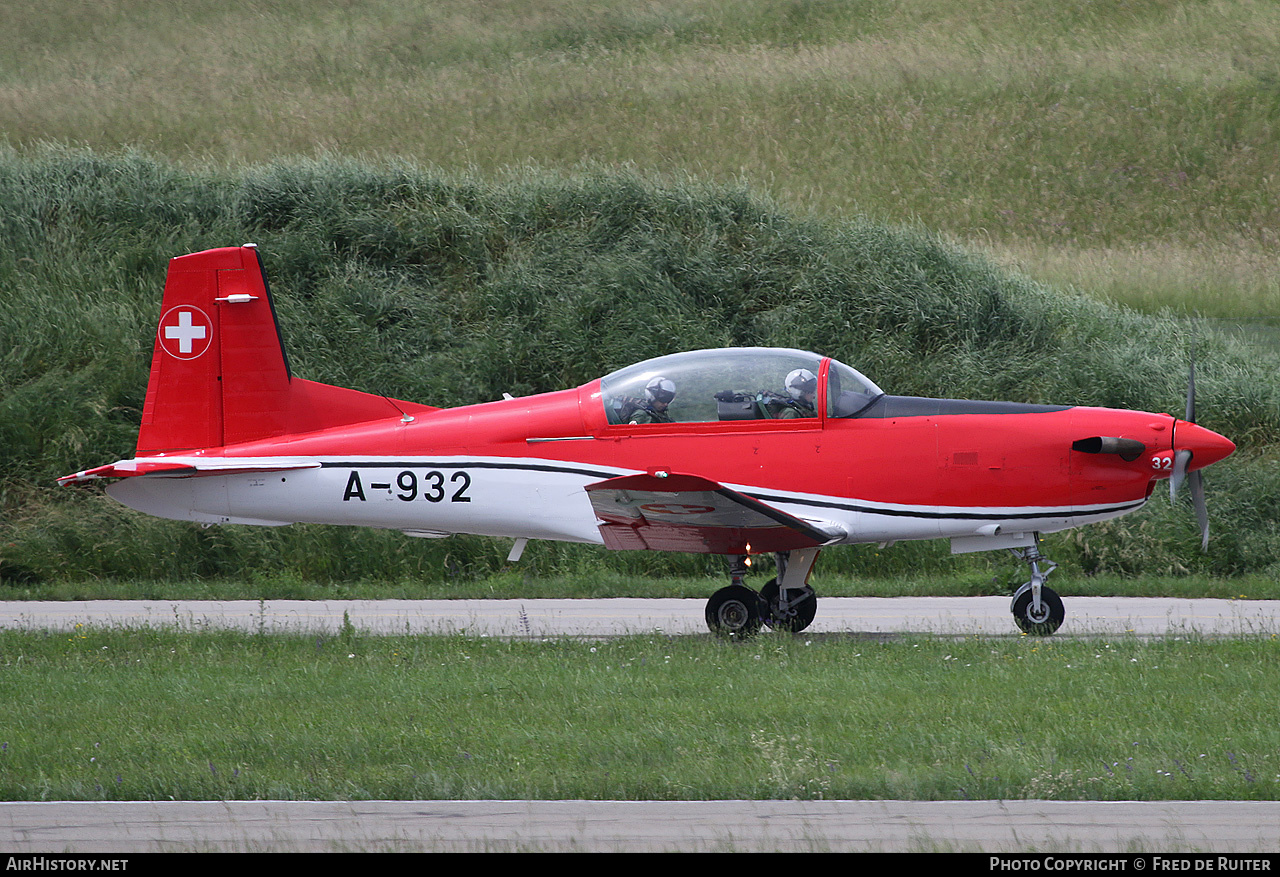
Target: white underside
<point x="531" y="498"/>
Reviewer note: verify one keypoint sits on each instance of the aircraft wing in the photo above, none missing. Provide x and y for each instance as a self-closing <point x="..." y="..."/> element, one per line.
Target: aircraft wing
<point x="688" y="513"/>
<point x="185" y="468"/>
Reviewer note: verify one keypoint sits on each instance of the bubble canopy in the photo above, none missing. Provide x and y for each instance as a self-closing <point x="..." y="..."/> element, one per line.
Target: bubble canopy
<point x="741" y="383"/>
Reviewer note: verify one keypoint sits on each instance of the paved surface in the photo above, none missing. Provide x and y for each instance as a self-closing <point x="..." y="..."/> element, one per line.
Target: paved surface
<point x="624" y="826"/>
<point x="990" y="616"/>
<point x="642" y="826"/>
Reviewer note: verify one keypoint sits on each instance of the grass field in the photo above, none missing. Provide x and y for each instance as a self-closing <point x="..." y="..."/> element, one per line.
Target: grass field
<point x="147" y="715"/>
<point x="1129" y="149"/>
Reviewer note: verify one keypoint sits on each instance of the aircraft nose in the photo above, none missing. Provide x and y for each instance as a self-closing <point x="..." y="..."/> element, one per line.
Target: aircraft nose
<point x="1205" y="445"/>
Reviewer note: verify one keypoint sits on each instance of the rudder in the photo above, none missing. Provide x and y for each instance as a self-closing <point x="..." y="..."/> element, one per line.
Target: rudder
<point x="219" y="372"/>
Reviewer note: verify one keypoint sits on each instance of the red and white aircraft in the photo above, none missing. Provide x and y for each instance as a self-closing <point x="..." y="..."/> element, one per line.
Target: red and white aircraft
<point x="738" y="452"/>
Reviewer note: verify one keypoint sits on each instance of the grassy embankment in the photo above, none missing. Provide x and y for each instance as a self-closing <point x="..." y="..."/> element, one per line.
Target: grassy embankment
<point x="452" y="290"/>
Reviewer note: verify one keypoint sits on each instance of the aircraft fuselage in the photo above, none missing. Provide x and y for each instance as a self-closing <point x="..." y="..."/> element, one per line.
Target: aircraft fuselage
<point x="922" y="469"/>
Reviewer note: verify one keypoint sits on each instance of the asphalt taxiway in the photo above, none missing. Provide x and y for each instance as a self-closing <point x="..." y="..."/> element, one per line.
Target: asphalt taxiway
<point x="946" y="616"/>
<point x="1044" y="827"/>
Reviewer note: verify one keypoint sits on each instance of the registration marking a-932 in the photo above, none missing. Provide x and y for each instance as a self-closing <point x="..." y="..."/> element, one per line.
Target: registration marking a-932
<point x="409" y="485"/>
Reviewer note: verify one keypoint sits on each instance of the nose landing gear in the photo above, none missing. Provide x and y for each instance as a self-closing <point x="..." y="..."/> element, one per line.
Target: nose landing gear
<point x="1037" y="610"/>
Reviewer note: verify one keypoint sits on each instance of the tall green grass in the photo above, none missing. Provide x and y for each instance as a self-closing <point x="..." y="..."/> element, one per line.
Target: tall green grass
<point x="451" y="289"/>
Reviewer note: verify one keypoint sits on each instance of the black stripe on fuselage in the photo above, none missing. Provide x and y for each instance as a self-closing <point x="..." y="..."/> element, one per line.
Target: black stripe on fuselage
<point x="761" y="497"/>
<point x="469" y="464"/>
<point x="949" y="515"/>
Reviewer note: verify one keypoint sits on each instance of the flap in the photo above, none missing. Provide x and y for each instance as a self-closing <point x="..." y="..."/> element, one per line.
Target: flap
<point x="672" y="512"/>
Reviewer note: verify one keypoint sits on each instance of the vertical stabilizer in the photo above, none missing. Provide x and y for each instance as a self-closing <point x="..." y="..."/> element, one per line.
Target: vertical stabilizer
<point x="219" y="374"/>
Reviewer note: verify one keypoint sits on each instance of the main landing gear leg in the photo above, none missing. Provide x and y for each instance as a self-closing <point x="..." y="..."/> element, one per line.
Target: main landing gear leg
<point x="785" y="603"/>
<point x="1037" y="610"/>
<point x="791" y="603"/>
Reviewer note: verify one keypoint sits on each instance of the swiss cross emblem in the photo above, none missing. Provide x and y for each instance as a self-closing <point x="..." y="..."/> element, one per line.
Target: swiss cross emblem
<point x="185" y="332"/>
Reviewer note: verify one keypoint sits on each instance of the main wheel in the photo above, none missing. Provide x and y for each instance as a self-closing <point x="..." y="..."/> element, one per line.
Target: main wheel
<point x="1047" y="620"/>
<point x="795" y="619"/>
<point x="734" y="612"/>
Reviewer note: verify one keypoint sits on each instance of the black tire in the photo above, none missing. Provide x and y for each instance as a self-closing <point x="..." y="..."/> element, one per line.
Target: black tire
<point x="735" y="612"/>
<point x="1051" y="605"/>
<point x="801" y="614"/>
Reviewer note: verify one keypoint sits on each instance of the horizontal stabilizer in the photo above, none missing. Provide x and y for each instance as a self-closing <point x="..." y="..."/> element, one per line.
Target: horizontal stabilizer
<point x="184" y="468"/>
<point x="671" y="512"/>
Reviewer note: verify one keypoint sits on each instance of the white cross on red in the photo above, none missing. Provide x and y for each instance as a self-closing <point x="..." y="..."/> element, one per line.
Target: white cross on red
<point x="191" y="326"/>
<point x="185" y="332"/>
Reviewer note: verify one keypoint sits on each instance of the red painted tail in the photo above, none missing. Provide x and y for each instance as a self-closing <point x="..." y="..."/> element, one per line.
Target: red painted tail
<point x="219" y="374"/>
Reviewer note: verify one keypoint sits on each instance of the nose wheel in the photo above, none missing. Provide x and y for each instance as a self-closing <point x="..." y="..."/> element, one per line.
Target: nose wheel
<point x="1037" y="610"/>
<point x="1038" y="621"/>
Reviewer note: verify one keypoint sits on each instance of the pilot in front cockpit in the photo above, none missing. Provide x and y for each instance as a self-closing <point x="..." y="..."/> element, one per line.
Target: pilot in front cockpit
<point x="658" y="394"/>
<point x="802" y="390"/>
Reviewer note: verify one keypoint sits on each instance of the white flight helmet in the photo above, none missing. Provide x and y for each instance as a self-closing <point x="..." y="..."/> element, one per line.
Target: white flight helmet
<point x="800" y="382"/>
<point x="660" y="390"/>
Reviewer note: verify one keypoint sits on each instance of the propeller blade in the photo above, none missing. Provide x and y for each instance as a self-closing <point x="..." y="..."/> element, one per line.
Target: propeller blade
<point x="1180" y="460"/>
<point x="1202" y="513"/>
<point x="1191" y="393"/>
